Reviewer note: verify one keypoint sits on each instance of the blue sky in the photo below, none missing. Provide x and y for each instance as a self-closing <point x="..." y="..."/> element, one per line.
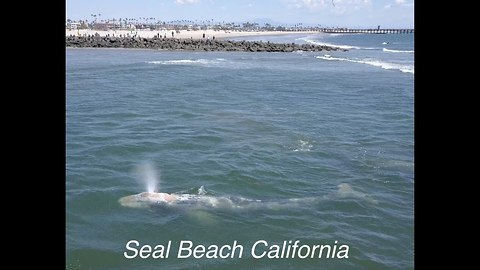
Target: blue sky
<point x="344" y="13"/>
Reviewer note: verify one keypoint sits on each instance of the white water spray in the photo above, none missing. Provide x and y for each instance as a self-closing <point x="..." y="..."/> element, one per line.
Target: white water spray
<point x="149" y="177"/>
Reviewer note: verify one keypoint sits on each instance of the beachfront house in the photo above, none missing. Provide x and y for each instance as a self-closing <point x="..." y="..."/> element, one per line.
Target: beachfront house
<point x="103" y="26"/>
<point x="72" y="25"/>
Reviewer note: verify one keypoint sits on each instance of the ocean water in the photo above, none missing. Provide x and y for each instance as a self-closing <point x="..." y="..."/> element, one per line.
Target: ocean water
<point x="331" y="130"/>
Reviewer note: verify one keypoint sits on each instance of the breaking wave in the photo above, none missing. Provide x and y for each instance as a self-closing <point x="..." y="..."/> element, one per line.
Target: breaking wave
<point x="346" y="47"/>
<point x="372" y="62"/>
<point x="397" y="51"/>
<point x="200" y="62"/>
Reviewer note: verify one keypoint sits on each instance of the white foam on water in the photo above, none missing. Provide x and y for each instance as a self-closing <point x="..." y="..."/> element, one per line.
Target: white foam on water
<point x="303" y="146"/>
<point x="201" y="62"/>
<point x="396" y="51"/>
<point x="371" y="62"/>
<point x="346" y="47"/>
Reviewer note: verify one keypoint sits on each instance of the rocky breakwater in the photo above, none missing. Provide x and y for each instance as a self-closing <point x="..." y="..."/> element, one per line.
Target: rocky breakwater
<point x="190" y="44"/>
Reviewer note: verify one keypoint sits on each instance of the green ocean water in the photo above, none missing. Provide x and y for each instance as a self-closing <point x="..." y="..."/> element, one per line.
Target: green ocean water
<point x="263" y="126"/>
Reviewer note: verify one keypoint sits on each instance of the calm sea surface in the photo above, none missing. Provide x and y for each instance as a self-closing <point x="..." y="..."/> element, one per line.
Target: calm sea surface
<point x="331" y="129"/>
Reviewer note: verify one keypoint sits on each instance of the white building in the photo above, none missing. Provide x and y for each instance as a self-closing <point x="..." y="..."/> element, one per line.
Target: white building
<point x="73" y="25"/>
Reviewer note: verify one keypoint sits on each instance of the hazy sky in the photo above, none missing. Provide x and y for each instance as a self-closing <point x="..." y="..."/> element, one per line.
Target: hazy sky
<point x="347" y="13"/>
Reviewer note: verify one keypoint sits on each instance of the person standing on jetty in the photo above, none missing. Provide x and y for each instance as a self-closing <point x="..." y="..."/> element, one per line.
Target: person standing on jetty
<point x="172" y="34"/>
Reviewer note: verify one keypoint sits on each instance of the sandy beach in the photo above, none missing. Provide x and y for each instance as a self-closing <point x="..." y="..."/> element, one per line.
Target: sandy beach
<point x="184" y="34"/>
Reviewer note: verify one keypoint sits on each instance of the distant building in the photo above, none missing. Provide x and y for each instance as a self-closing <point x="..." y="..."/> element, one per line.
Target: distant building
<point x="73" y="25"/>
<point x="103" y="26"/>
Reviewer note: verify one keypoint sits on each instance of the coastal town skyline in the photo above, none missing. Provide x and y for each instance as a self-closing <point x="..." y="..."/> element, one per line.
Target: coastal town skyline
<point x="325" y="13"/>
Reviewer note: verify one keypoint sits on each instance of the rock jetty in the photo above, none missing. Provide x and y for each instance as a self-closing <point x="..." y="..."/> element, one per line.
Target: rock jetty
<point x="174" y="44"/>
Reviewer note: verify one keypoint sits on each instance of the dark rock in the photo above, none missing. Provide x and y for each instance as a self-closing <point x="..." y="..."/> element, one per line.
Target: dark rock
<point x="189" y="44"/>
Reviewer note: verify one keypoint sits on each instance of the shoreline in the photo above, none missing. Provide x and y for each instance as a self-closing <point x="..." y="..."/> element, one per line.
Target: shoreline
<point x="183" y="34"/>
